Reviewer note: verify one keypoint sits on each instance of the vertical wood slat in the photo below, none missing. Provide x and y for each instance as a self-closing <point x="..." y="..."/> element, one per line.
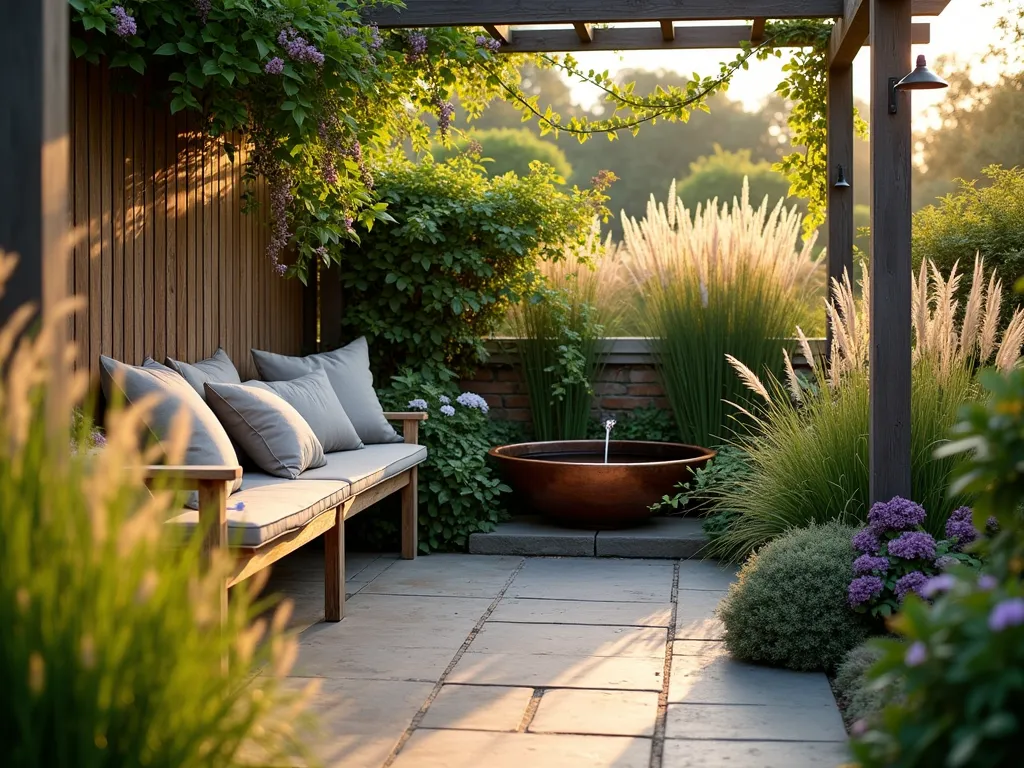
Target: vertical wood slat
<point x="890" y="353"/>
<point x="168" y="262"/>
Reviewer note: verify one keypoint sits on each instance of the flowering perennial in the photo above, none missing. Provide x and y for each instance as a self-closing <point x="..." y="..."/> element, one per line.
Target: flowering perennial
<point x="911" y="582"/>
<point x="419" y="404"/>
<point x="913" y="545"/>
<point x="961" y="527"/>
<point x="898" y="514"/>
<point x="471" y="400"/>
<point x="1008" y="613"/>
<point x="298" y="49"/>
<point x="448" y="410"/>
<point x="125" y="23"/>
<point x="866" y="564"/>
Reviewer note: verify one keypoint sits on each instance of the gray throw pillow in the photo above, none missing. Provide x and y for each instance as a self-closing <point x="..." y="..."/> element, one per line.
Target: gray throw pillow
<point x="270" y="431"/>
<point x="218" y="369"/>
<point x="208" y="442"/>
<point x="348" y="370"/>
<point x="313" y="397"/>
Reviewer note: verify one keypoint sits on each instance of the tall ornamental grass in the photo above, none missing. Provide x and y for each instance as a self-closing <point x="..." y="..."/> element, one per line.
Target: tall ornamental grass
<point x="559" y="326"/>
<point x="112" y="654"/>
<point x="716" y="282"/>
<point x="808" y="447"/>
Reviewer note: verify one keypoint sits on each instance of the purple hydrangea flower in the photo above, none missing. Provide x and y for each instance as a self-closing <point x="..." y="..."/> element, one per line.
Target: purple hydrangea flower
<point x="913" y="545"/>
<point x="912" y="582"/>
<point x="938" y="584"/>
<point x="865" y="564"/>
<point x="960" y="527"/>
<point x="275" y="66"/>
<point x="444" y="399"/>
<point x="987" y="582"/>
<point x="863" y="589"/>
<point x="898" y="514"/>
<point x="1008" y="613"/>
<point x="992" y="525"/>
<point x="419" y="404"/>
<point x="447" y="410"/>
<point x="945" y="561"/>
<point x="470" y="400"/>
<point x="125" y="23"/>
<point x="917" y="654"/>
<point x="867" y="542"/>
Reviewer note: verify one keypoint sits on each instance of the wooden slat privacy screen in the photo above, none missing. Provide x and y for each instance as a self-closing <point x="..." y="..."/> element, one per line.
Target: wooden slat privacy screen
<point x="167" y="260"/>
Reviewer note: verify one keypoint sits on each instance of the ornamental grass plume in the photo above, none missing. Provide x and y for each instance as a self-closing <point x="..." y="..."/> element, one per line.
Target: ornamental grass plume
<point x="112" y="652"/>
<point x="720" y="280"/>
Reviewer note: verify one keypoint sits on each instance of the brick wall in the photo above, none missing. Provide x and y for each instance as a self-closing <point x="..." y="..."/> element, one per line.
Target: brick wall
<point x="627" y="381"/>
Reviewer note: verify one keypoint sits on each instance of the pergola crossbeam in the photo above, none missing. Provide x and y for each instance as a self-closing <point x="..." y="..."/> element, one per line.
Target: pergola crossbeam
<point x="668" y="30"/>
<point x="652" y="38"/>
<point x="757" y="29"/>
<point x="851" y="30"/>
<point x="585" y="32"/>
<point x="500" y="32"/>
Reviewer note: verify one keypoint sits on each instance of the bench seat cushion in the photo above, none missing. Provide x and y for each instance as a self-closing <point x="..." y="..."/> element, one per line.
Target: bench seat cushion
<point x="367" y="466"/>
<point x="272" y="507"/>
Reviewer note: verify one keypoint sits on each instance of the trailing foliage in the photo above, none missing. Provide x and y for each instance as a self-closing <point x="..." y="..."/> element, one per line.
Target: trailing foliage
<point x="112" y="654"/>
<point x="715" y="282"/>
<point x="729" y="465"/>
<point x="788" y="608"/>
<point x="985" y="218"/>
<point x="428" y="288"/>
<point x="559" y="325"/>
<point x="318" y="94"/>
<point x="459" y="491"/>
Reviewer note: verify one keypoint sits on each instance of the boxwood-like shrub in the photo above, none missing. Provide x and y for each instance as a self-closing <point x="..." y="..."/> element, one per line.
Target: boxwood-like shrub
<point x="861" y="697"/>
<point x="789" y="607"/>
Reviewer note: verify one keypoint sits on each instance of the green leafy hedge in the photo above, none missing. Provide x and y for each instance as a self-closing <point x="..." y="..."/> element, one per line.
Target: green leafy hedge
<point x="428" y="288"/>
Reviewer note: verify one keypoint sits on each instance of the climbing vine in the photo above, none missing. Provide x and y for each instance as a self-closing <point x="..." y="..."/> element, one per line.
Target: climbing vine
<point x="323" y="98"/>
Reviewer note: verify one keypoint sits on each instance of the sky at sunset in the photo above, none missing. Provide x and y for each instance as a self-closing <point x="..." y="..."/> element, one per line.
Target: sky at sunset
<point x="964" y="29"/>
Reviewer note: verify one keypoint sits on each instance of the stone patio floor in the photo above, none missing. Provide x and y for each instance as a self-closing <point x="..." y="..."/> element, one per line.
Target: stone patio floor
<point x="474" y="661"/>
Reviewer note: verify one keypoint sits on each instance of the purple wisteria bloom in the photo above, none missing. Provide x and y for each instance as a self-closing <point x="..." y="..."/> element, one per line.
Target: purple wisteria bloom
<point x="865" y="564"/>
<point x="1008" y="613"/>
<point x="867" y="542"/>
<point x="417" y="45"/>
<point x="937" y="585"/>
<point x="898" y="514"/>
<point x="275" y="66"/>
<point x="913" y="545"/>
<point x="912" y="582"/>
<point x="864" y="588"/>
<point x="917" y="654"/>
<point x="203" y="9"/>
<point x="447" y="410"/>
<point x="298" y="48"/>
<point x="488" y="43"/>
<point x="960" y="526"/>
<point x="125" y="23"/>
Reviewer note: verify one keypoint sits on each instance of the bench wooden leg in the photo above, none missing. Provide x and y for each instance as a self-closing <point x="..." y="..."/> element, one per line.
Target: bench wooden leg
<point x="334" y="569"/>
<point x="410" y="516"/>
<point x="213" y="522"/>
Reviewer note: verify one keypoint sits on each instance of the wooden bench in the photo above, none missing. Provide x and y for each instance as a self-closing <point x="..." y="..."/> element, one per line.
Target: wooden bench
<point x="212" y="484"/>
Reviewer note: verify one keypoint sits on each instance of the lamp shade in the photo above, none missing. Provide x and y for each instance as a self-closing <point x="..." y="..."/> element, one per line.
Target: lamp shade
<point x="921" y="78"/>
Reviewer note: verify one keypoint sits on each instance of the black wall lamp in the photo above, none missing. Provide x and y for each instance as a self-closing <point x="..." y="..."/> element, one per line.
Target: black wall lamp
<point x="921" y="79"/>
<point x="841" y="182"/>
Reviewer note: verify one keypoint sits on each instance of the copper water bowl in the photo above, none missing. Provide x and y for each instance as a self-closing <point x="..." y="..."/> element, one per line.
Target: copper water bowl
<point x="568" y="481"/>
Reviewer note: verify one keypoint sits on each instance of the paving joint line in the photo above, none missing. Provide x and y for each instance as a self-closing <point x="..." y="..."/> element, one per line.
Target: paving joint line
<point x="531" y="710"/>
<point x="660" y="722"/>
<point x="418" y="717"/>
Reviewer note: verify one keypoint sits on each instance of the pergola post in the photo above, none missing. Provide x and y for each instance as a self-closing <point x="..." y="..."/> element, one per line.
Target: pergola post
<point x="840" y="199"/>
<point x="34" y="152"/>
<point x="890" y="355"/>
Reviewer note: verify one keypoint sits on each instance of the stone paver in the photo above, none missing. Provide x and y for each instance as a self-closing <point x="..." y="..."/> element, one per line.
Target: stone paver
<point x="475" y="749"/>
<point x="478" y="707"/>
<point x="746" y="721"/>
<point x="753" y="754"/>
<point x="562" y="666"/>
<point x="661" y="537"/>
<point x="529" y="536"/>
<point x="634" y="581"/>
<point x="536" y="611"/>
<point x="612" y="713"/>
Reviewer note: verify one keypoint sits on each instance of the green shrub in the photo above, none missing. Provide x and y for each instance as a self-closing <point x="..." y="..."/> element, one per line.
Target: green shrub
<point x="112" y="654"/>
<point x="961" y="658"/>
<point x="859" y="697"/>
<point x="502" y="150"/>
<point x="788" y="608"/>
<point x="715" y="282"/>
<point x="459" y="490"/>
<point x="427" y="288"/>
<point x="720" y="176"/>
<point x="708" y="483"/>
<point x="985" y="218"/>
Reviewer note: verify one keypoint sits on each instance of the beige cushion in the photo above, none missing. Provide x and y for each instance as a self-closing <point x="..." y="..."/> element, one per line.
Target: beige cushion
<point x="270" y="431"/>
<point x="314" y="398"/>
<point x="208" y="442"/>
<point x="217" y="369"/>
<point x="348" y="370"/>
<point x="365" y="468"/>
<point x="268" y="507"/>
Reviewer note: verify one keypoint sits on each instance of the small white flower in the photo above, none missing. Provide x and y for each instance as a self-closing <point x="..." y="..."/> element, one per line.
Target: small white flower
<point x="419" y="404"/>
<point x="470" y="400"/>
<point x="447" y="410"/>
<point x="444" y="400"/>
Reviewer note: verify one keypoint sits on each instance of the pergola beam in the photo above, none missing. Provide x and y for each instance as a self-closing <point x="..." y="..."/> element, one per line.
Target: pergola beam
<point x="757" y="30"/>
<point x="585" y="32"/>
<point x="668" y="30"/>
<point x="851" y="31"/>
<point x="651" y="38"/>
<point x="476" y="13"/>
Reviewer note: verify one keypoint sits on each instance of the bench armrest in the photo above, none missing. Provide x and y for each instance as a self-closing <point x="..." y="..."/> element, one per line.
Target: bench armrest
<point x="190" y="478"/>
<point x="410" y="424"/>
